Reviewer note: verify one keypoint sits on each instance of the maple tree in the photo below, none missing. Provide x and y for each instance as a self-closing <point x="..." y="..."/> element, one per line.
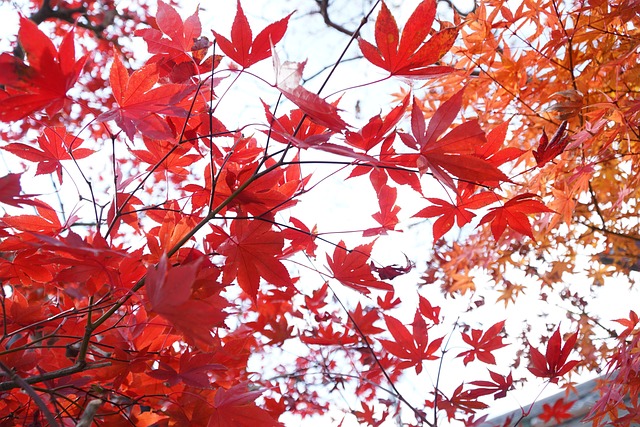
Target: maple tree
<point x="173" y="277"/>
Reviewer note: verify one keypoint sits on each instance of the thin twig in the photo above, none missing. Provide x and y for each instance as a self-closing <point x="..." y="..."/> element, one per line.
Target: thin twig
<point x="20" y="382"/>
<point x="397" y="393"/>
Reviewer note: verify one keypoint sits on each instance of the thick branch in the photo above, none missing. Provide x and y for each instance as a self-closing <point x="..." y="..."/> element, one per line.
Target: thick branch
<point x="62" y="13"/>
<point x="86" y="420"/>
<point x="324" y="11"/>
<point x="24" y="385"/>
<point x="74" y="369"/>
<point x="71" y="16"/>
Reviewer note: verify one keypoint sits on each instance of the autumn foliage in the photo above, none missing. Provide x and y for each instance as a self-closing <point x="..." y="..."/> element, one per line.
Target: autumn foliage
<point x="173" y="277"/>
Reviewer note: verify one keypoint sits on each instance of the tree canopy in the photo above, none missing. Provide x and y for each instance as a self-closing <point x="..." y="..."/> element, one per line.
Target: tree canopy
<point x="174" y="277"/>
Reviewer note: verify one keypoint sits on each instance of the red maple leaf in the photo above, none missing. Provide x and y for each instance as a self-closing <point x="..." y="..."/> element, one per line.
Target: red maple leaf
<point x="126" y="205"/>
<point x="169" y="291"/>
<point x="21" y="362"/>
<point x="483" y="344"/>
<point x="351" y="269"/>
<point x="10" y="190"/>
<point x="45" y="222"/>
<point x="480" y="422"/>
<point x="427" y="310"/>
<point x="253" y="251"/>
<point x="390" y="272"/>
<point x="164" y="156"/>
<point x="388" y="302"/>
<point x="193" y="370"/>
<point x="44" y="82"/>
<point x="302" y="239"/>
<point x="413" y="348"/>
<point x="262" y="197"/>
<point x="295" y="128"/>
<point x="559" y="411"/>
<point x="453" y="153"/>
<point x="235" y="407"/>
<point x="367" y="415"/>
<point x="140" y="104"/>
<point x="629" y="324"/>
<point x="461" y="400"/>
<point x="28" y="269"/>
<point x="549" y="149"/>
<point x="55" y="145"/>
<point x="554" y="364"/>
<point x="493" y="151"/>
<point x="377" y="128"/>
<point x="498" y="387"/>
<point x="90" y="262"/>
<point x="317" y="300"/>
<point x="288" y="77"/>
<point x="409" y="56"/>
<point x="174" y="226"/>
<point x="171" y="36"/>
<point x="179" y="49"/>
<point x="364" y="319"/>
<point x="514" y="214"/>
<point x="242" y="48"/>
<point x="387" y="217"/>
<point x="458" y="213"/>
<point x="324" y="115"/>
<point x="327" y="335"/>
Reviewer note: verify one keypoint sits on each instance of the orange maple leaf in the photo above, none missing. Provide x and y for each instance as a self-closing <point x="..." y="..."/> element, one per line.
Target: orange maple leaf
<point x="514" y="214"/>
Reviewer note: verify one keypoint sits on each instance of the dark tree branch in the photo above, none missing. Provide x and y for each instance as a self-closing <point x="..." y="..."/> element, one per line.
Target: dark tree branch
<point x="324" y="11"/>
<point x="62" y="13"/>
<point x="74" y="369"/>
<point x="24" y="385"/>
<point x="70" y="15"/>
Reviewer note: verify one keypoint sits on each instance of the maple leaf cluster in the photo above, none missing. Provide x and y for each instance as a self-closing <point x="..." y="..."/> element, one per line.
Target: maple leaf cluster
<point x="579" y="158"/>
<point x="183" y="283"/>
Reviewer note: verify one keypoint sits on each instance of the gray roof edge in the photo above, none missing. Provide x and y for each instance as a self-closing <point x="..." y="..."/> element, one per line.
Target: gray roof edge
<point x="587" y="395"/>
